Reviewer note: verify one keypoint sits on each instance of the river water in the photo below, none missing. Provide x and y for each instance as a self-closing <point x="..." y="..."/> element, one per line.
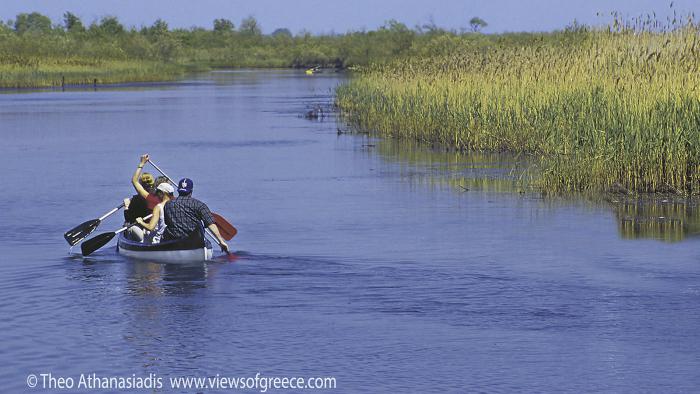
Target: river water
<point x="387" y="266"/>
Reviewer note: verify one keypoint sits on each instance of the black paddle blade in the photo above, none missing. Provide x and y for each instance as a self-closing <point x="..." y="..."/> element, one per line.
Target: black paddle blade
<point x="79" y="232"/>
<point x="95" y="243"/>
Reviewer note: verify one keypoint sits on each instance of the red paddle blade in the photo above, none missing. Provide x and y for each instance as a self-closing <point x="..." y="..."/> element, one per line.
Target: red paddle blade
<point x="225" y="228"/>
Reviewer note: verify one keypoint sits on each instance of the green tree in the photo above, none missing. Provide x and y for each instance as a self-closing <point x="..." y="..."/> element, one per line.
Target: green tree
<point x="159" y="27"/>
<point x="110" y="25"/>
<point x="250" y="26"/>
<point x="72" y="23"/>
<point x="6" y="27"/>
<point x="282" y="32"/>
<point x="430" y="27"/>
<point x="477" y="24"/>
<point x="167" y="47"/>
<point x="400" y="36"/>
<point x="223" y="25"/>
<point x="34" y="23"/>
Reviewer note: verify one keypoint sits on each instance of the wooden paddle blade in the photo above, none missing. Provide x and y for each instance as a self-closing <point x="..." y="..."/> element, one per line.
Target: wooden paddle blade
<point x="92" y="244"/>
<point x="79" y="232"/>
<point x="226" y="229"/>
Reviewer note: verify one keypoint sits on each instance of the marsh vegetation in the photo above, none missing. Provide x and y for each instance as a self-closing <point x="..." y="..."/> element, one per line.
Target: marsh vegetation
<point x="616" y="108"/>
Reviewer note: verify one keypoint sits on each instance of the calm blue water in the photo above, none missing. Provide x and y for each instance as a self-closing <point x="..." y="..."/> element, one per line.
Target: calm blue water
<point x="357" y="258"/>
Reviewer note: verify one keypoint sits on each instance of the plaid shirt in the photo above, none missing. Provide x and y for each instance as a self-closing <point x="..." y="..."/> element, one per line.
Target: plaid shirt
<point x="185" y="215"/>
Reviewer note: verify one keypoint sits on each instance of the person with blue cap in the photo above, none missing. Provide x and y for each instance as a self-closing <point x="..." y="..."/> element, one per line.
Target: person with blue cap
<point x="185" y="215"/>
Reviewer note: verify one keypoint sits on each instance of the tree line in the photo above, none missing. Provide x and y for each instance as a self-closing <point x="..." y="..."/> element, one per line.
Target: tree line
<point x="33" y="37"/>
<point x="37" y="23"/>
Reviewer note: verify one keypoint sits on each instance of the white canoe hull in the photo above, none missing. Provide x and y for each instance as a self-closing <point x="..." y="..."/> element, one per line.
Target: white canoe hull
<point x="171" y="256"/>
<point x="167" y="252"/>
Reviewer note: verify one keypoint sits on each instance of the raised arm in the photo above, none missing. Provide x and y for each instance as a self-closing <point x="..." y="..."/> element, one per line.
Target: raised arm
<point x="153" y="222"/>
<point x="135" y="179"/>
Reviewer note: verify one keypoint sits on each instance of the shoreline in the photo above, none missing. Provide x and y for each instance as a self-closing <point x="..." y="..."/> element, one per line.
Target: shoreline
<point x="58" y="80"/>
<point x="91" y="86"/>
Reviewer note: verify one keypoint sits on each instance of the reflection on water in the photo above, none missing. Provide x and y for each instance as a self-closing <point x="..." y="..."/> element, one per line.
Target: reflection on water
<point x="478" y="171"/>
<point x="660" y="219"/>
<point x="665" y="220"/>
<point x="157" y="279"/>
<point x="158" y="312"/>
<point x="141" y="277"/>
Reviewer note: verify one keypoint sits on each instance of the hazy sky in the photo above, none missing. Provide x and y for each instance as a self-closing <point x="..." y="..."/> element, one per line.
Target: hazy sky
<point x="323" y="16"/>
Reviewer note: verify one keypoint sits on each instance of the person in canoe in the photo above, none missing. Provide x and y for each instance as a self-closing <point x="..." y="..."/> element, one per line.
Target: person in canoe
<point x="143" y="202"/>
<point x="156" y="225"/>
<point x="185" y="215"/>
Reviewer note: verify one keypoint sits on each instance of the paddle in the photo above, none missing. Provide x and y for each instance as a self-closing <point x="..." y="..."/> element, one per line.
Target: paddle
<point x="94" y="243"/>
<point x="162" y="173"/>
<point x="79" y="232"/>
<point x="226" y="229"/>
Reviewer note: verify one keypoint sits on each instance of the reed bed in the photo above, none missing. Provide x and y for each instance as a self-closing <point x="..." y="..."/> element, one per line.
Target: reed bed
<point x="599" y="110"/>
<point x="48" y="72"/>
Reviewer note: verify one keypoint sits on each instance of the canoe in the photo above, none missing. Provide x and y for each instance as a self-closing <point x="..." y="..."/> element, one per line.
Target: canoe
<point x="186" y="250"/>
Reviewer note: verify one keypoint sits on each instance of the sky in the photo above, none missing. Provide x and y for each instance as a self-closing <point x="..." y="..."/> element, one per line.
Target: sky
<point x="335" y="16"/>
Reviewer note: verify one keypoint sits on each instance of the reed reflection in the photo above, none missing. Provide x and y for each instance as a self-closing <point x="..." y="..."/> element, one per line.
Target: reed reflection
<point x="669" y="221"/>
<point x="461" y="171"/>
<point x="644" y="217"/>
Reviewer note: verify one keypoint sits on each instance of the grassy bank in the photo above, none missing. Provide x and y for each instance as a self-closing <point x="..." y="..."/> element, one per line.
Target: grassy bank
<point x="57" y="72"/>
<point x="618" y="108"/>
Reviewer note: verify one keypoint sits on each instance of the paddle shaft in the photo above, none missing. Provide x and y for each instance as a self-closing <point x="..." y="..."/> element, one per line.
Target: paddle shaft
<point x="126" y="227"/>
<point x="103" y="217"/>
<point x="162" y="173"/>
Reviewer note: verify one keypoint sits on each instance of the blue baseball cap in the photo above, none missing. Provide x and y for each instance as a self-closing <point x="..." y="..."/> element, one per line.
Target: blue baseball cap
<point x="185" y="185"/>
